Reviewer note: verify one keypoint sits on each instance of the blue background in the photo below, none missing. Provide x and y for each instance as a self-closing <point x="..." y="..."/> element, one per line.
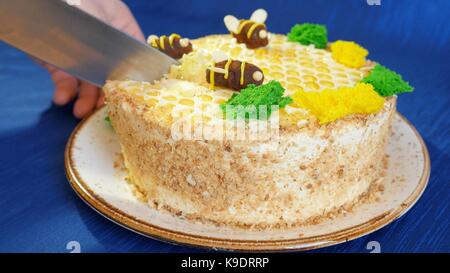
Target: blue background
<point x="40" y="212"/>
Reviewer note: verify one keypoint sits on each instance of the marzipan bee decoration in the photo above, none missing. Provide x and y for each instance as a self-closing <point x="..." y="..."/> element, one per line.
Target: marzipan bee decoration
<point x="233" y="74"/>
<point x="253" y="32"/>
<point x="174" y="45"/>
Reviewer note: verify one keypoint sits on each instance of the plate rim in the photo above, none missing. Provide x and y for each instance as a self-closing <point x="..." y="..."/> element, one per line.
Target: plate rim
<point x="302" y="243"/>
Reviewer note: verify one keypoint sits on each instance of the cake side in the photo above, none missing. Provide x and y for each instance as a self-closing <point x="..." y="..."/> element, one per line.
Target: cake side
<point x="305" y="174"/>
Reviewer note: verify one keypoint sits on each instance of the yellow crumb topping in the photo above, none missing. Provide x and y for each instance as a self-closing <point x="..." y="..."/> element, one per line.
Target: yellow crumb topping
<point x="331" y="104"/>
<point x="348" y="53"/>
<point x="193" y="67"/>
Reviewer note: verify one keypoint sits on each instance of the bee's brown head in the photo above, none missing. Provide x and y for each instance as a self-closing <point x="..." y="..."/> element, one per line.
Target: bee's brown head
<point x="259" y="37"/>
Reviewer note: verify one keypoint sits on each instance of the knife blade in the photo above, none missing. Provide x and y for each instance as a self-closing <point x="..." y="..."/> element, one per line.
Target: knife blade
<point x="78" y="43"/>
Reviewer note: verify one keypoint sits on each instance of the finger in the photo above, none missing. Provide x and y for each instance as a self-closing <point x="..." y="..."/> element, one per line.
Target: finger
<point x="86" y="101"/>
<point x="101" y="99"/>
<point x="126" y="22"/>
<point x="134" y="30"/>
<point x="65" y="87"/>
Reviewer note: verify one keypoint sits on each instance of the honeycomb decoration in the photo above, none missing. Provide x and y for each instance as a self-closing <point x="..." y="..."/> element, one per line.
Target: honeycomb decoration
<point x="295" y="66"/>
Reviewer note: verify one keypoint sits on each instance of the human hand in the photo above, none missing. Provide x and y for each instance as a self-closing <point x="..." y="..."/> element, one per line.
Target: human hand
<point x="67" y="88"/>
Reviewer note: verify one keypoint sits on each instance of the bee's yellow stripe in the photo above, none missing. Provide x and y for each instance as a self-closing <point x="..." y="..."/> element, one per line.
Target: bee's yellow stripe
<point x="242" y="24"/>
<point x="251" y="29"/>
<point x="172" y="37"/>
<point x="211" y="79"/>
<point x="226" y="67"/>
<point x="161" y="41"/>
<point x="241" y="81"/>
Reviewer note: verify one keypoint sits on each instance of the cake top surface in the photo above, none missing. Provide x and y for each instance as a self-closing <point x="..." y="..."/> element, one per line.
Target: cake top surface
<point x="295" y="66"/>
<point x="322" y="82"/>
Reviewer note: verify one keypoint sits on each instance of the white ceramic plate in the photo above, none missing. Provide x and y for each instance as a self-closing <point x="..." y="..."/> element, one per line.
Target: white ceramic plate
<point x="93" y="148"/>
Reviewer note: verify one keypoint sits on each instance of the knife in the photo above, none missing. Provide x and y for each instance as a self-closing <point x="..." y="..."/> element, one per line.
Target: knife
<point x="78" y="43"/>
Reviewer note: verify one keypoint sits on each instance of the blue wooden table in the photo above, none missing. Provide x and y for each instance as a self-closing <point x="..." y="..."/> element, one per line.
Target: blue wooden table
<point x="40" y="212"/>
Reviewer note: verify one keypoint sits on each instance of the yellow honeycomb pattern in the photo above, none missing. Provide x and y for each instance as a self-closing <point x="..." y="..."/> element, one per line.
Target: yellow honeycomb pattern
<point x="295" y="66"/>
